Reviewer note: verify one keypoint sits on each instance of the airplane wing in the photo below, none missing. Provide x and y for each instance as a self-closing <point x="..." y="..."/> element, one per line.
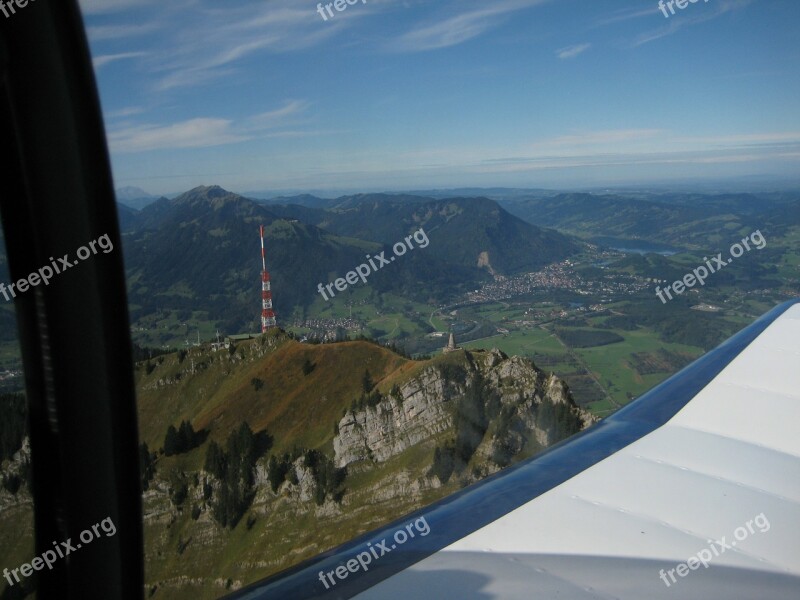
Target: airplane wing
<point x="691" y="491"/>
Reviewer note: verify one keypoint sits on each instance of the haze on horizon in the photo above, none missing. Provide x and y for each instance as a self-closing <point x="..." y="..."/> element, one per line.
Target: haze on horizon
<point x="258" y="95"/>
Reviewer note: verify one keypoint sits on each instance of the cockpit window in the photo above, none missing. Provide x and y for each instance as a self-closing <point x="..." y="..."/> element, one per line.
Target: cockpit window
<point x="377" y="251"/>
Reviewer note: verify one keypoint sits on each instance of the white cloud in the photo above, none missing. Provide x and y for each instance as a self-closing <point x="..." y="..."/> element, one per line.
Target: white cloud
<point x="100" y="61"/>
<point x="189" y="77"/>
<point x="628" y="14"/>
<point x="106" y="6"/>
<point x="454" y="30"/>
<point x="207" y="132"/>
<point x="123" y="112"/>
<point x="612" y="136"/>
<point x="304" y="133"/>
<point x="115" y="32"/>
<point x="692" y="15"/>
<point x="572" y="51"/>
<point x="745" y="139"/>
<point x="194" y="133"/>
<point x="210" y="43"/>
<point x="446" y="33"/>
<point x="280" y="116"/>
<point x="635" y="147"/>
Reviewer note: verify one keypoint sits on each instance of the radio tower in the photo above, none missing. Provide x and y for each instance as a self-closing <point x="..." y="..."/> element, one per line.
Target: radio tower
<point x="267" y="316"/>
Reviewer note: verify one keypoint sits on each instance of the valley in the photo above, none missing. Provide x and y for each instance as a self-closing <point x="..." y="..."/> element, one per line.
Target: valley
<point x="191" y="269"/>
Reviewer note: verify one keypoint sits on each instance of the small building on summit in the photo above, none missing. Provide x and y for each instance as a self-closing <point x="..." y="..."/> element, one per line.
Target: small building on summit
<point x="240" y="337"/>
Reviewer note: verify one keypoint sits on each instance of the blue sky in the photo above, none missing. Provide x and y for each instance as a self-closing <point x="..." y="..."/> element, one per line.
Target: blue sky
<point x="407" y="94"/>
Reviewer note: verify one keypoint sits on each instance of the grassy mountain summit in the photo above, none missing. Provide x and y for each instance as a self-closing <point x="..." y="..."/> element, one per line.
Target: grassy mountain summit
<point x="294" y="448"/>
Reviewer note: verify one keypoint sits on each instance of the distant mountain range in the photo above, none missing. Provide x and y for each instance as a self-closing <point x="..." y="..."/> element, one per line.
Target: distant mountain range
<point x="200" y="250"/>
<point x="683" y="219"/>
<point x="134" y="197"/>
<point x="687" y="220"/>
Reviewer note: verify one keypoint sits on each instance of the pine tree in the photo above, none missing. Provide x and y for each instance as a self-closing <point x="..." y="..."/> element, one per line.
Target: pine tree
<point x="146" y="465"/>
<point x="179" y="487"/>
<point x="13" y="424"/>
<point x="215" y="460"/>
<point x="171" y="442"/>
<point x="234" y="468"/>
<point x="276" y="472"/>
<point x="366" y="382"/>
<point x="187" y="438"/>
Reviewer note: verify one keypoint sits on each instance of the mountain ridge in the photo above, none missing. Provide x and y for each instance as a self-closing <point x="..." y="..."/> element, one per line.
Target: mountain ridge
<point x="392" y="434"/>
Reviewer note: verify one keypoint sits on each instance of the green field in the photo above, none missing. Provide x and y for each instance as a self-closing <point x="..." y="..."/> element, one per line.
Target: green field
<point x="611" y="364"/>
<point x="602" y="378"/>
<point x="525" y="342"/>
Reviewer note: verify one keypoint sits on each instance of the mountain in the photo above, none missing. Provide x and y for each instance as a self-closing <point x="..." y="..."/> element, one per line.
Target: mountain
<point x="131" y="192"/>
<point x="588" y="214"/>
<point x="127" y="216"/>
<point x="683" y="220"/>
<point x="201" y="251"/>
<point x="343" y="202"/>
<point x="345" y="437"/>
<point x="468" y="232"/>
<point x="498" y="194"/>
<point x="355" y="201"/>
<point x="134" y="197"/>
<point x="307" y="200"/>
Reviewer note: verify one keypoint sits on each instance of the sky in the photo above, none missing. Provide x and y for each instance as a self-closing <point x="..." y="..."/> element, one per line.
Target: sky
<point x="389" y="95"/>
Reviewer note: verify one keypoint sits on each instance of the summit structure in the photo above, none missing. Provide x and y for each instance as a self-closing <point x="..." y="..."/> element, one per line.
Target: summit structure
<point x="451" y="345"/>
<point x="267" y="314"/>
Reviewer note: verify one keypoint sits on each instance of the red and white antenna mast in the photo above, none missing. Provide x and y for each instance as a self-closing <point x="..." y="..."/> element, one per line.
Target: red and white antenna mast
<point x="267" y="315"/>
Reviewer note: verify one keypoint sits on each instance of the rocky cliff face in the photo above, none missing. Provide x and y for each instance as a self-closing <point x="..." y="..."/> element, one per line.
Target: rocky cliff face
<point x="513" y="391"/>
<point x="397" y="422"/>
